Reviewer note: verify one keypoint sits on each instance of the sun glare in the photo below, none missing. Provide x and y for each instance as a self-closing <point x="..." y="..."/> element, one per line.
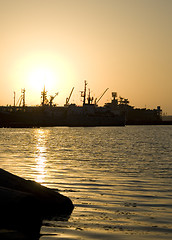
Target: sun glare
<point x="40" y="77"/>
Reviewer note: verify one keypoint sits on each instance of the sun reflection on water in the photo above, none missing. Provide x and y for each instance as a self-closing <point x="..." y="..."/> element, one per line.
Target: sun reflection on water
<point x="40" y="154"/>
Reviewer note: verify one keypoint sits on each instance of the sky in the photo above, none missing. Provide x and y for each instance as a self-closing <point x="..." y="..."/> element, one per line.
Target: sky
<point x="123" y="45"/>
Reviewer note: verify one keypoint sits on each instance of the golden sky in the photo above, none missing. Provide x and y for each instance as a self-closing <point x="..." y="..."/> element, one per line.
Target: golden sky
<point x="123" y="45"/>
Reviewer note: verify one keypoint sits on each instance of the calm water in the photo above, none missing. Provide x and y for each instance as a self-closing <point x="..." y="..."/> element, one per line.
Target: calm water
<point x="119" y="178"/>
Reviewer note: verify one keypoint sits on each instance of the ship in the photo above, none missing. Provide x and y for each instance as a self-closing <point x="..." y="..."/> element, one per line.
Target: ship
<point x="136" y="116"/>
<point x="48" y="114"/>
<point x="90" y="114"/>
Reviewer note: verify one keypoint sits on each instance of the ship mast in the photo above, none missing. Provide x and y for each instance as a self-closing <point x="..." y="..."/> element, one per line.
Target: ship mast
<point x="44" y="97"/>
<point x="90" y="99"/>
<point x="83" y="93"/>
<point x="14" y="99"/>
<point x="23" y="94"/>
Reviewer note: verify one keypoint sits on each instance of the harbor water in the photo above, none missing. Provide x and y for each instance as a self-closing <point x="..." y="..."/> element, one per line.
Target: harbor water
<point x="119" y="178"/>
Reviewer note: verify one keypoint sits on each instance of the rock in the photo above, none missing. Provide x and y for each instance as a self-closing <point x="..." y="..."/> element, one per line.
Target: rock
<point x="24" y="204"/>
<point x="52" y="203"/>
<point x="20" y="211"/>
<point x="14" y="235"/>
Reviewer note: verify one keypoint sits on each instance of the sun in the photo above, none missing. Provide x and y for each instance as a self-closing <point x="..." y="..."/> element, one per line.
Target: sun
<point x="40" y="77"/>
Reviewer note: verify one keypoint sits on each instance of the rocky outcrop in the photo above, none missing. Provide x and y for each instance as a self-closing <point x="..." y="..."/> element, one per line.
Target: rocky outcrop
<point x="20" y="211"/>
<point x="24" y="204"/>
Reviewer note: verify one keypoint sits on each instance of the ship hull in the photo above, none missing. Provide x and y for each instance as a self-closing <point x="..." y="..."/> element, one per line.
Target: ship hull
<point x="32" y="117"/>
<point x="57" y="116"/>
<point x="93" y="121"/>
<point x="90" y="116"/>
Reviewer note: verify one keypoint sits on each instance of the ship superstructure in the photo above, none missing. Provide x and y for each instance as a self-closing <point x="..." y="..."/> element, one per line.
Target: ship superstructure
<point x="89" y="114"/>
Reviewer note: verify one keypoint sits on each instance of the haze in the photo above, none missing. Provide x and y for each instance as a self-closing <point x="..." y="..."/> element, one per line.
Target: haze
<point x="123" y="45"/>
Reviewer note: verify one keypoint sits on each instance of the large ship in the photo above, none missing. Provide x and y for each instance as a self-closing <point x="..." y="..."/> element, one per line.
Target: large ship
<point x="90" y="114"/>
<point x="48" y="114"/>
<point x="136" y="116"/>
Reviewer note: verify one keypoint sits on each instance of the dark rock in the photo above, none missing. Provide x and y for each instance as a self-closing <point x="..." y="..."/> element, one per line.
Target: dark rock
<point x="14" y="235"/>
<point x="24" y="204"/>
<point x="20" y="211"/>
<point x="52" y="203"/>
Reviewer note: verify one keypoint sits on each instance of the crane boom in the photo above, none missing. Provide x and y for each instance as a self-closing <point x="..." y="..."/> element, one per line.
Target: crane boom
<point x="68" y="99"/>
<point x="22" y="98"/>
<point x="102" y="95"/>
<point x="52" y="98"/>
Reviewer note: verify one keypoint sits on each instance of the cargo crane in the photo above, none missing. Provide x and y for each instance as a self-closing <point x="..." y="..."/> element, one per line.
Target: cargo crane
<point x="96" y="101"/>
<point x="45" y="100"/>
<point x="68" y="98"/>
<point x="21" y="100"/>
<point x="52" y="98"/>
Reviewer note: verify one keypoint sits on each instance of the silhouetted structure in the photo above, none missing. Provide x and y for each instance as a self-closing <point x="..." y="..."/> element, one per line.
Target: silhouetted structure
<point x="135" y="116"/>
<point x="48" y="114"/>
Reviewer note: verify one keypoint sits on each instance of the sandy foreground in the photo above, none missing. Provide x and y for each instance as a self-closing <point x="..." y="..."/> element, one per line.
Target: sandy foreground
<point x="76" y="234"/>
